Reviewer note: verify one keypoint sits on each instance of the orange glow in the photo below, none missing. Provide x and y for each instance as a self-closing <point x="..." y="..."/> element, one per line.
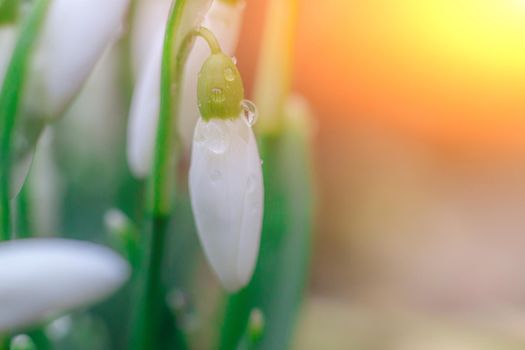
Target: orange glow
<point x="447" y="70"/>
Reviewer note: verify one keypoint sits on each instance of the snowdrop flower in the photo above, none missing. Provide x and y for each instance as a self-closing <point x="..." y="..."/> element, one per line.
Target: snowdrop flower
<point x="225" y="177"/>
<point x="224" y="20"/>
<point x="42" y="277"/>
<point x="74" y="35"/>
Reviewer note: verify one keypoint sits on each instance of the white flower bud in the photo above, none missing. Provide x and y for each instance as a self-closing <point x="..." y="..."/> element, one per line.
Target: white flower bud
<point x="42" y="277"/>
<point x="226" y="189"/>
<point x="224" y="20"/>
<point x="74" y="35"/>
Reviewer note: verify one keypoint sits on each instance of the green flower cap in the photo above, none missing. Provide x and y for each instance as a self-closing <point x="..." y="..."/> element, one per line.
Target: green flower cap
<point x="219" y="89"/>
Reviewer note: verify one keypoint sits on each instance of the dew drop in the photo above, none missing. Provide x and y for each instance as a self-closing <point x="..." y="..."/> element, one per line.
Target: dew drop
<point x="229" y="75"/>
<point x="234" y="60"/>
<point x="262" y="162"/>
<point x="215" y="176"/>
<point x="217" y="95"/>
<point x="249" y="112"/>
<point x="213" y="135"/>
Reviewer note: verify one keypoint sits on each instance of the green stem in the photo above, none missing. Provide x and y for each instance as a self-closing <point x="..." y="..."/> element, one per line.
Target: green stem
<point x="10" y="98"/>
<point x="148" y="327"/>
<point x="23" y="210"/>
<point x="207" y="35"/>
<point x="164" y="159"/>
<point x="40" y="339"/>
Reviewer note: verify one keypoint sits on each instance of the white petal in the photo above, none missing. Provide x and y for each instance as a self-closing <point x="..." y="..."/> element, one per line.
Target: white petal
<point x="39" y="277"/>
<point x="149" y="18"/>
<point x="226" y="190"/>
<point x="224" y="21"/>
<point x="74" y="35"/>
<point x="144" y="112"/>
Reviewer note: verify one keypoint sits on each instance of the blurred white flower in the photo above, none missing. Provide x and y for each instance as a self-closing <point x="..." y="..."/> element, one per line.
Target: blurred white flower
<point x="224" y="20"/>
<point x="42" y="277"/>
<point x="74" y="35"/>
<point x="149" y="19"/>
<point x="226" y="191"/>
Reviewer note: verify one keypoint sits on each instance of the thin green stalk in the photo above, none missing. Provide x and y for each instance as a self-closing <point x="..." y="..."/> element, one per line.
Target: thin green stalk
<point x="177" y="44"/>
<point x="148" y="327"/>
<point x="10" y="99"/>
<point x="40" y="339"/>
<point x="23" y="227"/>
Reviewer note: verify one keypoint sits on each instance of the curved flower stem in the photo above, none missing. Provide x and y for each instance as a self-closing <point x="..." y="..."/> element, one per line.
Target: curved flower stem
<point x="10" y="98"/>
<point x="207" y="35"/>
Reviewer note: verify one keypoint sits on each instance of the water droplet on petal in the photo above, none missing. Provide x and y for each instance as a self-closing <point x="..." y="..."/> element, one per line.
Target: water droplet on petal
<point x="229" y="74"/>
<point x="217" y="95"/>
<point x="262" y="162"/>
<point x="213" y="135"/>
<point x="215" y="176"/>
<point x="249" y="112"/>
<point x="234" y="60"/>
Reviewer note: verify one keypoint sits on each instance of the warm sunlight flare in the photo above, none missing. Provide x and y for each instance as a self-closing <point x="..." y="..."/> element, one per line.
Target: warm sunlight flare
<point x="445" y="69"/>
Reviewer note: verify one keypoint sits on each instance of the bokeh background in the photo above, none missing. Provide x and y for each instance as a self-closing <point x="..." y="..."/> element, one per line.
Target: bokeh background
<point x="420" y="167"/>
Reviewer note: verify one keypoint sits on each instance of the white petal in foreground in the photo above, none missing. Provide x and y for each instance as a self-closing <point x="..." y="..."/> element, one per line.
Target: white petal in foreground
<point x="224" y="20"/>
<point x="74" y="35"/>
<point x="226" y="191"/>
<point x="41" y="277"/>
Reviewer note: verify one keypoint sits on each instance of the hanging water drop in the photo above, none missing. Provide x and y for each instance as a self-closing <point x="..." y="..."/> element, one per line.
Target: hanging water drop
<point x="234" y="60"/>
<point x="249" y="112"/>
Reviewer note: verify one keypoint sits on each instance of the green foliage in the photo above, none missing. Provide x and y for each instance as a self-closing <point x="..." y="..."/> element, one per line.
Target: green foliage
<point x="8" y="11"/>
<point x="10" y="99"/>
